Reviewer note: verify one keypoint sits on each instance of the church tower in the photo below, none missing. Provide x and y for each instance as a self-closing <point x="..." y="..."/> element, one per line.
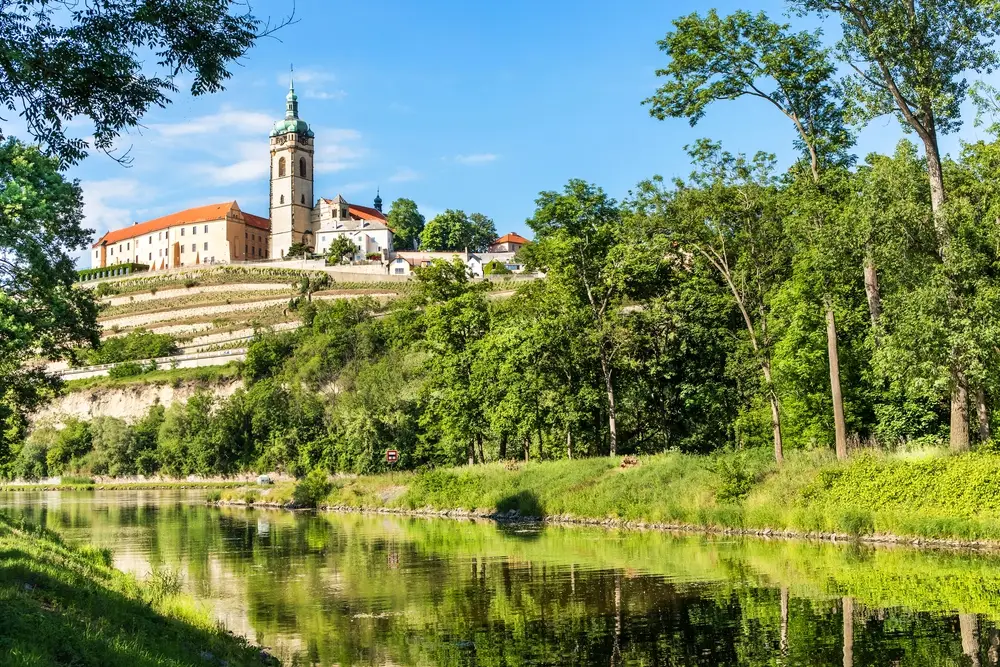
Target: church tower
<point x="291" y="180"/>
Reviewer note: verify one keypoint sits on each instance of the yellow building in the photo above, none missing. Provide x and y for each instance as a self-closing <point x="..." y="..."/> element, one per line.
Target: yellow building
<point x="213" y="234"/>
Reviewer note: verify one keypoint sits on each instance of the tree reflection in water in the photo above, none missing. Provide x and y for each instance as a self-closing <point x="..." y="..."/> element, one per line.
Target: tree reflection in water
<point x="362" y="590"/>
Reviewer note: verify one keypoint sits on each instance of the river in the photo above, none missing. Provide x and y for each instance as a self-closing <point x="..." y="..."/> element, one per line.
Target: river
<point x="332" y="589"/>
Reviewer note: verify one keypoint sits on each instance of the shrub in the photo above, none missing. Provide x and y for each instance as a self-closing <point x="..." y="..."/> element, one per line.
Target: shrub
<point x="134" y="346"/>
<point x="125" y="369"/>
<point x="312" y="489"/>
<point x="76" y="480"/>
<point x="190" y="282"/>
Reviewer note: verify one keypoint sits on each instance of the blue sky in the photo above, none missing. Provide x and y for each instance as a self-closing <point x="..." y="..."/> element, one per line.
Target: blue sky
<point x="475" y="106"/>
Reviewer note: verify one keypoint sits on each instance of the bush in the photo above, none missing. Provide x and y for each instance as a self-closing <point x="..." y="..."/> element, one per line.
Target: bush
<point x="76" y="480"/>
<point x="126" y="369"/>
<point x="312" y="489"/>
<point x="135" y="346"/>
<point x="190" y="282"/>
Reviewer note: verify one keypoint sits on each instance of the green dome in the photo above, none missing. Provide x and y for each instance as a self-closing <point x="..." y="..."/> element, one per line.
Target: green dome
<point x="288" y="125"/>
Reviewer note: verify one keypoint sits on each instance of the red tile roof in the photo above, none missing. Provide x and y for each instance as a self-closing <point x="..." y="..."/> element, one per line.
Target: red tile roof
<point x="511" y="238"/>
<point x="257" y="221"/>
<point x="366" y="212"/>
<point x="208" y="213"/>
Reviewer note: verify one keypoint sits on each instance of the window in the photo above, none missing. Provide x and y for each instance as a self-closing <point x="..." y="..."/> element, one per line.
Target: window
<point x="128" y="246"/>
<point x="206" y="245"/>
<point x="398" y="270"/>
<point x="119" y="247"/>
<point x="112" y="251"/>
<point x="343" y="213"/>
<point x="182" y="248"/>
<point x="303" y="199"/>
<point x="206" y="229"/>
<point x="182" y="231"/>
<point x="281" y="167"/>
<point x="281" y="200"/>
<point x="302" y="167"/>
<point x="246" y="235"/>
<point x="194" y="247"/>
<point x="97" y="253"/>
<point x="150" y="239"/>
<point x="151" y="257"/>
<point x="159" y="236"/>
<point x="194" y="230"/>
<point x="167" y="234"/>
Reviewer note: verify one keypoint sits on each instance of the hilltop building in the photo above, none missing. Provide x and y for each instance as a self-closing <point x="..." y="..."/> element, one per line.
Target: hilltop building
<point x="223" y="233"/>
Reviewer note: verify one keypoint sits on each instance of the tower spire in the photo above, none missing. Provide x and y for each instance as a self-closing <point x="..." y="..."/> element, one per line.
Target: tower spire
<point x="291" y="100"/>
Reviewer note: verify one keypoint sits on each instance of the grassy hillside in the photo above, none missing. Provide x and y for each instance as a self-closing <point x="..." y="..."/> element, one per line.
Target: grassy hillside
<point x="68" y="606"/>
<point x="928" y="494"/>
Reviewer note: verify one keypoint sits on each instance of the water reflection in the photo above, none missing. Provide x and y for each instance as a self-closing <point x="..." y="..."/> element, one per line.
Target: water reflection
<point x="357" y="590"/>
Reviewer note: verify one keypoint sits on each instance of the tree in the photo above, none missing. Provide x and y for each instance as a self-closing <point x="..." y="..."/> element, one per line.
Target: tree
<point x="909" y="60"/>
<point x="713" y="58"/>
<point x="297" y="249"/>
<point x="454" y="230"/>
<point x="59" y="62"/>
<point x="342" y="248"/>
<point x="406" y="223"/>
<point x="41" y="313"/>
<point x="577" y="234"/>
<point x="728" y="216"/>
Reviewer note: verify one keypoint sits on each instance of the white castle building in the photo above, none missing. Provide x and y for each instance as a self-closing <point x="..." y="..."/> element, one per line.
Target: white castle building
<point x="223" y="233"/>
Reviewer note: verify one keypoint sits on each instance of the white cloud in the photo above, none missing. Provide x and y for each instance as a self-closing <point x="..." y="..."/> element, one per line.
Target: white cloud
<point x="252" y="164"/>
<point x="312" y="84"/>
<point x="476" y="158"/>
<point x="404" y="175"/>
<point x="337" y="150"/>
<point x="352" y="188"/>
<point x="102" y="210"/>
<point x="325" y="95"/>
<point x="227" y="121"/>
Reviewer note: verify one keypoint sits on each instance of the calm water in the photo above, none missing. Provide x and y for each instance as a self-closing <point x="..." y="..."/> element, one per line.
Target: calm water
<point x="361" y="590"/>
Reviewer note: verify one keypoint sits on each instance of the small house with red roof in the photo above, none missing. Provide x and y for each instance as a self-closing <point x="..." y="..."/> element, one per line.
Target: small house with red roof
<point x="509" y="243"/>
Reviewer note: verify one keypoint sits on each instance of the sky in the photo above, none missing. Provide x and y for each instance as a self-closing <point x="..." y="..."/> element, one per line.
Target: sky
<point x="472" y="106"/>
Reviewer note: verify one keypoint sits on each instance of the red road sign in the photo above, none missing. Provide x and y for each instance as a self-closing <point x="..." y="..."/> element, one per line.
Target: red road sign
<point x="391" y="456"/>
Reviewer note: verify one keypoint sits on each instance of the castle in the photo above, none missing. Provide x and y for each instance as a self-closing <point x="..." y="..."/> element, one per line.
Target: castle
<point x="224" y="233"/>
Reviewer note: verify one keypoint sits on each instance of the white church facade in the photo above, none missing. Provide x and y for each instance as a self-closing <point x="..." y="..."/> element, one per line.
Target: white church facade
<point x="223" y="233"/>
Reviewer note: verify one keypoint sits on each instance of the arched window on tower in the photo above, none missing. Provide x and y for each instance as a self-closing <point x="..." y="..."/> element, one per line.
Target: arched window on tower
<point x="281" y="167"/>
<point x="282" y="199"/>
<point x="302" y="167"/>
<point x="303" y="199"/>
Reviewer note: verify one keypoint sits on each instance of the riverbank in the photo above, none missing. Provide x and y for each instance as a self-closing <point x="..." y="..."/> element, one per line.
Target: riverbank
<point x="68" y="606"/>
<point x="928" y="496"/>
<point x="113" y="485"/>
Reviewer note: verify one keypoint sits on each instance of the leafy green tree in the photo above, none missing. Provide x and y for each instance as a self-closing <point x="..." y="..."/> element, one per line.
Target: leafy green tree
<point x="298" y="249"/>
<point x="137" y="345"/>
<point x="454" y="230"/>
<point x="41" y="313"/>
<point x="728" y="215"/>
<point x="342" y="248"/>
<point x="72" y="443"/>
<point x="909" y="60"/>
<point x="577" y="243"/>
<point x="60" y="64"/>
<point x="112" y="443"/>
<point x="406" y="222"/>
<point x="714" y="58"/>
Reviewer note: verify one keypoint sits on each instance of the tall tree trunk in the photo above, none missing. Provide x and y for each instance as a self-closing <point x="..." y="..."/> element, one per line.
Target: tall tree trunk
<point x="470" y="450"/>
<point x="983" y="416"/>
<point x="969" y="627"/>
<point x="503" y="446"/>
<point x="847" y="607"/>
<point x="839" y="423"/>
<point x="569" y="444"/>
<point x="610" y="387"/>
<point x="779" y="455"/>
<point x="874" y="298"/>
<point x="479" y="442"/>
<point x="783" y="637"/>
<point x="959" y="413"/>
<point x="527" y="452"/>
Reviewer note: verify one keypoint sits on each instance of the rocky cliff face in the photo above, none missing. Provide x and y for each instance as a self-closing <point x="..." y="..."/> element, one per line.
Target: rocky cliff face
<point x="128" y="402"/>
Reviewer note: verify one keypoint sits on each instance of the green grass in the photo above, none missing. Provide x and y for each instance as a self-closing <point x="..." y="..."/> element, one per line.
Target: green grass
<point x="928" y="494"/>
<point x="175" y="376"/>
<point x="67" y="606"/>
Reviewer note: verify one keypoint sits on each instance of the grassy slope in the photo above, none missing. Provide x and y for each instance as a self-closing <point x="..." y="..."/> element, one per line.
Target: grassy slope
<point x="67" y="606"/>
<point x="930" y="495"/>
